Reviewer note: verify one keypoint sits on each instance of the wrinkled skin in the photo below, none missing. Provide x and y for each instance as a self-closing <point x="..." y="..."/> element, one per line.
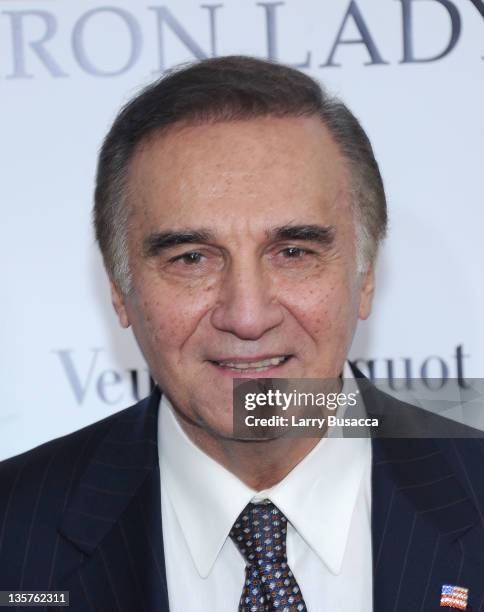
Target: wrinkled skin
<point x="244" y="292"/>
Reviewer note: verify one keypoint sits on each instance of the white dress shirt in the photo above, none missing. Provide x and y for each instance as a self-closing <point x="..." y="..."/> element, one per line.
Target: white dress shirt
<point x="326" y="499"/>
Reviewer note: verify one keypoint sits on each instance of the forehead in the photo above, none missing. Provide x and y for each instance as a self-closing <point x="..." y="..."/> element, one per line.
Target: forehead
<point x="255" y="168"/>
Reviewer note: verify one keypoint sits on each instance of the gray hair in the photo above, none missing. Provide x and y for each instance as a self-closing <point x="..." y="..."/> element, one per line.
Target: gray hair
<point x="227" y="89"/>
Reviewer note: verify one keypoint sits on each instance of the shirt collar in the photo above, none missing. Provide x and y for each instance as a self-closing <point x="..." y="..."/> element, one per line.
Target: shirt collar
<point x="318" y="496"/>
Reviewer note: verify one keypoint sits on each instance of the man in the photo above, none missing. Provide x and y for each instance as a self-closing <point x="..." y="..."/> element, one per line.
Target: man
<point x="239" y="211"/>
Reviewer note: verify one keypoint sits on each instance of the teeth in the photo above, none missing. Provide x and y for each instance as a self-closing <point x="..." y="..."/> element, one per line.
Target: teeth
<point x="253" y="365"/>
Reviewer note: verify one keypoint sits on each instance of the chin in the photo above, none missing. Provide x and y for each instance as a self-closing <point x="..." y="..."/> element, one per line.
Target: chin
<point x="212" y="413"/>
<point x="221" y="424"/>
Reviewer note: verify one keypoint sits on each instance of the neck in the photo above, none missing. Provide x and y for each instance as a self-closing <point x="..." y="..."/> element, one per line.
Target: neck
<point x="259" y="464"/>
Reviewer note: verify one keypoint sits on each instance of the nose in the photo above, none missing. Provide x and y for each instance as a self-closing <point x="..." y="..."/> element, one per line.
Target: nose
<point x="246" y="306"/>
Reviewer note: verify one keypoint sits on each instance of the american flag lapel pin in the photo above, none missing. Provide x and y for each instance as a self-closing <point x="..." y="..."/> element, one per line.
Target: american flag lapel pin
<point x="454" y="597"/>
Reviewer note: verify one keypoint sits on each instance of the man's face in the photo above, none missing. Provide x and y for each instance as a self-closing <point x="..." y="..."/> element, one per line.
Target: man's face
<point x="242" y="252"/>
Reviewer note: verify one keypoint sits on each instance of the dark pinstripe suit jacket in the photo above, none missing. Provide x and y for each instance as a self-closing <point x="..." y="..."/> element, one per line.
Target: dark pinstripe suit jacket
<point x="82" y="513"/>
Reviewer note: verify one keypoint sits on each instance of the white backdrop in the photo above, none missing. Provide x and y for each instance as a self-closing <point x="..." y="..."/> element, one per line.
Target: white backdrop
<point x="65" y="69"/>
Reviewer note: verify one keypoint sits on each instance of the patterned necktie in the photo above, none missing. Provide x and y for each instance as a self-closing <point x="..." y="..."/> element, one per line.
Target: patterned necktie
<point x="270" y="586"/>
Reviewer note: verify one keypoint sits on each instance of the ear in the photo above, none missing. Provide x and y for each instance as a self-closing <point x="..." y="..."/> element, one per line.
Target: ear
<point x="366" y="295"/>
<point x="117" y="299"/>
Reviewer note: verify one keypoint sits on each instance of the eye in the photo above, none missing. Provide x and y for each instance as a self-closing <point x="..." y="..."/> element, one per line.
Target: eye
<point x="294" y="252"/>
<point x="191" y="258"/>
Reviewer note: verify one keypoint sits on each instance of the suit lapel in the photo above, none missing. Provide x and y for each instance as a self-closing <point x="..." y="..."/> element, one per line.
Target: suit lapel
<point x="114" y="520"/>
<point x="426" y="526"/>
<point x="426" y="529"/>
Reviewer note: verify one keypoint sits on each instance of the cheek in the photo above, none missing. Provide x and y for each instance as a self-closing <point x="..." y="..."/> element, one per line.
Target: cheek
<point x="325" y="310"/>
<point x="166" y="318"/>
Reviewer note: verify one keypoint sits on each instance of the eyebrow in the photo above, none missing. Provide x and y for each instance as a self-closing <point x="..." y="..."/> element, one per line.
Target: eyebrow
<point x="322" y="234"/>
<point x="160" y="241"/>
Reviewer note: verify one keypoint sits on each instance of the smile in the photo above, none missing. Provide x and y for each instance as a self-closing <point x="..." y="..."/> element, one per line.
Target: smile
<point x="256" y="366"/>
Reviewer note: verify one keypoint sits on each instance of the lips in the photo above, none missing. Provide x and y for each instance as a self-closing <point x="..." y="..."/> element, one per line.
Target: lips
<point x="259" y="365"/>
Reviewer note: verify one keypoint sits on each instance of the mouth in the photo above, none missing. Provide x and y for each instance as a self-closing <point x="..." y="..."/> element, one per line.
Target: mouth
<point x="249" y="367"/>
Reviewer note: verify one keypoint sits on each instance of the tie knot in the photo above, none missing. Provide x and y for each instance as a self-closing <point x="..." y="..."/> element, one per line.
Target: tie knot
<point x="260" y="533"/>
